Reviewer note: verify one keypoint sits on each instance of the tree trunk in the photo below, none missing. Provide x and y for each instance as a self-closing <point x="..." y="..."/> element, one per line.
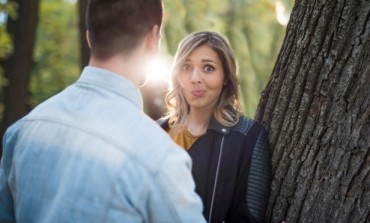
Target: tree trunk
<point x="17" y="66"/>
<point x="316" y="108"/>
<point x="84" y="48"/>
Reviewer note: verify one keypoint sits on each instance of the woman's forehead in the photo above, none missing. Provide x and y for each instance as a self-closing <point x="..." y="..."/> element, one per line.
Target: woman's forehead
<point x="203" y="53"/>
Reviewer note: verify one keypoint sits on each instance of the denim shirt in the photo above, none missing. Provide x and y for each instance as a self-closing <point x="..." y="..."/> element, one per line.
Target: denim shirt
<point x="90" y="154"/>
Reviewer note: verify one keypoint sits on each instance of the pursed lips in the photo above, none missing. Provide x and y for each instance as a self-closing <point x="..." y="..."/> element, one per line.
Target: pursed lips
<point x="198" y="93"/>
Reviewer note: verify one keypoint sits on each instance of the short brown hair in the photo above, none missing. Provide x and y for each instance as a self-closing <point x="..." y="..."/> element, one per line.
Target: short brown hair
<point x="117" y="26"/>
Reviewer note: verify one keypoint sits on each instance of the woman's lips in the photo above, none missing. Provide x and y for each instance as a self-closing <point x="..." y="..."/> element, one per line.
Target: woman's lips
<point x="198" y="93"/>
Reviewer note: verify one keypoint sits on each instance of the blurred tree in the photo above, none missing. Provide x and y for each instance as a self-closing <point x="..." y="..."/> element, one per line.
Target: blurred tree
<point x="56" y="57"/>
<point x="18" y="64"/>
<point x="316" y="108"/>
<point x="173" y="24"/>
<point x="7" y="10"/>
<point x="84" y="48"/>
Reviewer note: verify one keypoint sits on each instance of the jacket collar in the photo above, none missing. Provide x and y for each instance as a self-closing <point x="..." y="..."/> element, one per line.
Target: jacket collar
<point x="213" y="125"/>
<point x="216" y="126"/>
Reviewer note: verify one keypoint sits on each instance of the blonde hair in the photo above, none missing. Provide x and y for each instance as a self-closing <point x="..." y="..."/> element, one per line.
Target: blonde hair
<point x="227" y="110"/>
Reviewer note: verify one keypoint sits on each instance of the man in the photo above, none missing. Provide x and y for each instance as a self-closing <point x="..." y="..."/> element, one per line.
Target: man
<point x="89" y="154"/>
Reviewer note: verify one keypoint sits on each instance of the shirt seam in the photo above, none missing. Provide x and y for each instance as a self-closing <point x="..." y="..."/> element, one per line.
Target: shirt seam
<point x="136" y="103"/>
<point x="93" y="133"/>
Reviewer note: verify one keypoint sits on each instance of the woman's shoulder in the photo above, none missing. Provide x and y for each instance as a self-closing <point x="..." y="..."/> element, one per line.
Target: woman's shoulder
<point x="163" y="122"/>
<point x="246" y="124"/>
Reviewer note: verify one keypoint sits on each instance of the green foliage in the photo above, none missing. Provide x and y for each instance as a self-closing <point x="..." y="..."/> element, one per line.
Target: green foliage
<point x="174" y="28"/>
<point x="258" y="25"/>
<point x="5" y="42"/>
<point x="7" y="10"/>
<point x="57" y="50"/>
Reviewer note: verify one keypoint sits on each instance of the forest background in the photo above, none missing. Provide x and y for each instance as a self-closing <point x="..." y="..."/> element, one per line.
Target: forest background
<point x="255" y="29"/>
<point x="310" y="80"/>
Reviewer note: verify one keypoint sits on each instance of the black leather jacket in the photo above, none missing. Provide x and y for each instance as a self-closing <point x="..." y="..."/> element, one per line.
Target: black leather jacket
<point x="232" y="171"/>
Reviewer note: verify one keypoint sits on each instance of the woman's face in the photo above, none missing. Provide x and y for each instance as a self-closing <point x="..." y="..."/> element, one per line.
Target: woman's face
<point x="201" y="78"/>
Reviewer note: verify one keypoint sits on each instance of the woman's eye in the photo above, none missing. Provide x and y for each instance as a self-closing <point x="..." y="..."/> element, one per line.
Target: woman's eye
<point x="208" y="68"/>
<point x="186" y="67"/>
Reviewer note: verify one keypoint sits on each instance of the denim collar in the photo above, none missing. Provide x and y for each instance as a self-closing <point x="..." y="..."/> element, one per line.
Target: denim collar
<point x="112" y="82"/>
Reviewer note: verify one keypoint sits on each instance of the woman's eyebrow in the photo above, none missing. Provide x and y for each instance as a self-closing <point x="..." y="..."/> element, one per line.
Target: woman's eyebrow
<point x="208" y="61"/>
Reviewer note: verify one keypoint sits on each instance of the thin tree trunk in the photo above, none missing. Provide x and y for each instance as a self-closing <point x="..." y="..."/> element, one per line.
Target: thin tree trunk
<point x="18" y="65"/>
<point x="84" y="48"/>
<point x="316" y="108"/>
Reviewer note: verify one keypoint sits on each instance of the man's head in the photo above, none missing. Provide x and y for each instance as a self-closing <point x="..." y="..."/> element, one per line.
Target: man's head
<point x="119" y="26"/>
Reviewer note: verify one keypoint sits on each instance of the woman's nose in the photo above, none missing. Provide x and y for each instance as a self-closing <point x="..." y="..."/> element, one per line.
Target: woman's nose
<point x="195" y="77"/>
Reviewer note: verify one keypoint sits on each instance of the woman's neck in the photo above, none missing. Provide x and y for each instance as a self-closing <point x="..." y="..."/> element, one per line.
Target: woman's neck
<point x="197" y="122"/>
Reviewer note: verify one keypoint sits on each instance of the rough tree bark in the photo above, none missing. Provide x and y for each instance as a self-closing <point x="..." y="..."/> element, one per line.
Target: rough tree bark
<point x="17" y="66"/>
<point x="316" y="108"/>
<point x="84" y="48"/>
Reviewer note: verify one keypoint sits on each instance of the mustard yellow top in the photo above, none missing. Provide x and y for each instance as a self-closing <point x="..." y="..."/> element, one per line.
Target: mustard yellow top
<point x="183" y="138"/>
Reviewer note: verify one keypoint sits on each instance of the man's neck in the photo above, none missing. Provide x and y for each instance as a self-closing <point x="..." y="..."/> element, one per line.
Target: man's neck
<point x="130" y="67"/>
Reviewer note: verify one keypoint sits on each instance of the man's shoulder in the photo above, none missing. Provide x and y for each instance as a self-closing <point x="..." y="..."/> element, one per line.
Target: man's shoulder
<point x="151" y="145"/>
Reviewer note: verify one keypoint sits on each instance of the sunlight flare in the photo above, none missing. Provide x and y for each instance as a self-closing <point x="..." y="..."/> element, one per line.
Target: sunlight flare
<point x="282" y="13"/>
<point x="158" y="69"/>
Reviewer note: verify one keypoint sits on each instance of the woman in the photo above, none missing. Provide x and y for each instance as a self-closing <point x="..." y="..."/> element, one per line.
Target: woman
<point x="231" y="162"/>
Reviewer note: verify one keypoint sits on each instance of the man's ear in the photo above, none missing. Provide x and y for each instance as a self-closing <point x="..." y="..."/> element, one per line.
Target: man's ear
<point x="88" y="38"/>
<point x="153" y="38"/>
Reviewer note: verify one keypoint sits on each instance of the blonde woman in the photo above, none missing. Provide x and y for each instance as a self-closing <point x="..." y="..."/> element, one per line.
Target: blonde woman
<point x="231" y="161"/>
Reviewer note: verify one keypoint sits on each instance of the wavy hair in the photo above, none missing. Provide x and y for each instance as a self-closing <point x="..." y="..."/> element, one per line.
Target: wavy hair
<point x="227" y="110"/>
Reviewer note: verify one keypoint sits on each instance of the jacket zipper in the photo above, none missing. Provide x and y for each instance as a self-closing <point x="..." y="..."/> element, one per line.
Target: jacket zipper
<point x="216" y="178"/>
